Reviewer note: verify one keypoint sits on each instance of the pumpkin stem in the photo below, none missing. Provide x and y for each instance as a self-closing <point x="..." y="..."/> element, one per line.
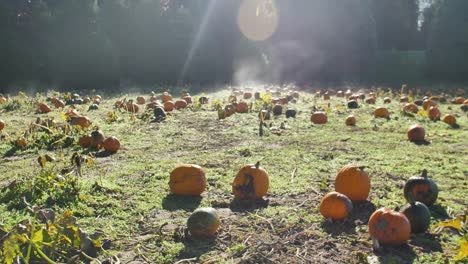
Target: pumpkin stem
<point x="257" y="165"/>
<point x="410" y="198"/>
<point x="424" y="173"/>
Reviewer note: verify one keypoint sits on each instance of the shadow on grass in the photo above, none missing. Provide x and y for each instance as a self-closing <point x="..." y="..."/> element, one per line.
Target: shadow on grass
<point x="427" y="242"/>
<point x="396" y="254"/>
<point x="438" y="212"/>
<point x="194" y="248"/>
<point x="174" y="202"/>
<point x="362" y="212"/>
<point x="10" y="152"/>
<point x="422" y="142"/>
<point x="338" y="227"/>
<point x="238" y="205"/>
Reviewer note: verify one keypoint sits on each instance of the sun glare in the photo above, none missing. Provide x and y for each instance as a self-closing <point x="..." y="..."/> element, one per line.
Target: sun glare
<point x="257" y="19"/>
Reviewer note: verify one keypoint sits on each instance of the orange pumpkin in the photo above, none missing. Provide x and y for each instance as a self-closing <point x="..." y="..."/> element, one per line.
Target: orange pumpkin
<point x="111" y="144"/>
<point x="319" y="118"/>
<point x="416" y="133"/>
<point x="387" y="100"/>
<point x="370" y="100"/>
<point x="44" y="108"/>
<point x="247" y="95"/>
<point x="326" y="96"/>
<point x="119" y="104"/>
<point x="251" y="182"/>
<point x="348" y="93"/>
<point x="81" y="121"/>
<point x="203" y="222"/>
<point x="339" y="94"/>
<point x="85" y="141"/>
<point x="86" y="100"/>
<point x="97" y="97"/>
<point x="141" y="100"/>
<point x="169" y="106"/>
<point x="166" y="97"/>
<point x="230" y="109"/>
<point x="242" y="107"/>
<point x="353" y="182"/>
<point x="336" y="206"/>
<point x="389" y="227"/>
<point x="428" y="103"/>
<point x="434" y="113"/>
<point x="3" y="99"/>
<point x="188" y="99"/>
<point x="188" y="179"/>
<point x="153" y="99"/>
<point x="465" y="102"/>
<point x="350" y="120"/>
<point x="180" y="104"/>
<point x="410" y="108"/>
<point x="381" y="112"/>
<point x="132" y="108"/>
<point x="58" y="103"/>
<point x="458" y="100"/>
<point x="2" y="125"/>
<point x="448" y="118"/>
<point x="21" y="142"/>
<point x="404" y="99"/>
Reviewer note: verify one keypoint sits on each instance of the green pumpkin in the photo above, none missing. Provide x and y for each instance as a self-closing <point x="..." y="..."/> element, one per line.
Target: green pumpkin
<point x="418" y="215"/>
<point x="422" y="189"/>
<point x="204" y="222"/>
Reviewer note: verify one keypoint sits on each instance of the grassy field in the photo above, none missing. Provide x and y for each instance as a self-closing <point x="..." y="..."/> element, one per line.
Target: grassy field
<point x="126" y="195"/>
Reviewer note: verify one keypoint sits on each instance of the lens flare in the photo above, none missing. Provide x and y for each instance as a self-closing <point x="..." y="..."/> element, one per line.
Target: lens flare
<point x="258" y="19"/>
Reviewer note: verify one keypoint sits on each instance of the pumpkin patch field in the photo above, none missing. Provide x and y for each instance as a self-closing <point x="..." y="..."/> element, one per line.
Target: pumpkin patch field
<point x="242" y="175"/>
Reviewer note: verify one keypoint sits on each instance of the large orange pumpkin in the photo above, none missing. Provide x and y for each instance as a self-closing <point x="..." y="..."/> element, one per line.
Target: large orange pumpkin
<point x="242" y="107"/>
<point x="319" y="118"/>
<point x="389" y="227"/>
<point x="251" y="182"/>
<point x="180" y="104"/>
<point x="350" y="120"/>
<point x="166" y="97"/>
<point x="448" y="118"/>
<point x="434" y="113"/>
<point x="188" y="179"/>
<point x="44" y="108"/>
<point x="336" y="206"/>
<point x="203" y="222"/>
<point x="111" y="144"/>
<point x="2" y="125"/>
<point x="353" y="182"/>
<point x="381" y="112"/>
<point x="416" y="133"/>
<point x="82" y="121"/>
<point x="169" y="106"/>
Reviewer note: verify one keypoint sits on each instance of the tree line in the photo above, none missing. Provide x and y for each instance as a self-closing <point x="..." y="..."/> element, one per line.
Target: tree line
<point x="89" y="44"/>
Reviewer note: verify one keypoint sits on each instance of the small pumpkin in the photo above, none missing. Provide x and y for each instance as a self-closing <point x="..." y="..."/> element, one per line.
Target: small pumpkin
<point x="93" y="107"/>
<point x="242" y="107"/>
<point x="247" y="95"/>
<point x="418" y="215"/>
<point x="389" y="227"/>
<point x="277" y="109"/>
<point x="169" y="106"/>
<point x="339" y="93"/>
<point x="81" y="121"/>
<point x="404" y="99"/>
<point x="188" y="99"/>
<point x="336" y="206"/>
<point x="465" y="102"/>
<point x="350" y="120"/>
<point x="410" y="108"/>
<point x="422" y="189"/>
<point x="449" y="119"/>
<point x="97" y="97"/>
<point x="97" y="138"/>
<point x="230" y="109"/>
<point x="381" y="112"/>
<point x="353" y="104"/>
<point x="251" y="182"/>
<point x="111" y="144"/>
<point x="21" y="142"/>
<point x="319" y="118"/>
<point x="85" y="141"/>
<point x="428" y="103"/>
<point x="257" y="96"/>
<point x="348" y="93"/>
<point x="291" y="113"/>
<point x="370" y="100"/>
<point x="3" y="99"/>
<point x="44" y="108"/>
<point x="159" y="114"/>
<point x="166" y="97"/>
<point x="326" y="96"/>
<point x="416" y="133"/>
<point x="58" y="103"/>
<point x="354" y="182"/>
<point x="141" y="100"/>
<point x="387" y="100"/>
<point x="87" y="100"/>
<point x="203" y="222"/>
<point x="187" y="179"/>
<point x="132" y="108"/>
<point x="458" y="100"/>
<point x="203" y="100"/>
<point x="434" y="113"/>
<point x="180" y="104"/>
<point x="2" y="125"/>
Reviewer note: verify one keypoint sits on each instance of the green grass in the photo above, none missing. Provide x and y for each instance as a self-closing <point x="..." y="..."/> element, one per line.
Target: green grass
<point x="126" y="194"/>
